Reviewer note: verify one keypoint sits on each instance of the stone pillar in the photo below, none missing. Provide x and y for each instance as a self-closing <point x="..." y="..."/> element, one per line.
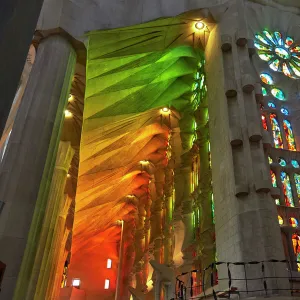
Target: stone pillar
<point x="25" y="175"/>
<point x="18" y="21"/>
<point x="51" y="237"/>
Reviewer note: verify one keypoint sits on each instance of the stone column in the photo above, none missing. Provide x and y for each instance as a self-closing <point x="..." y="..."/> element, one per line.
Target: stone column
<point x="25" y="175"/>
<point x="18" y="21"/>
<point x="51" y="238"/>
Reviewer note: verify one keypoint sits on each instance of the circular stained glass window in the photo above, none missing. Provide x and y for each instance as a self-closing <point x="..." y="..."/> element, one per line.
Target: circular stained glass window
<point x="281" y="52"/>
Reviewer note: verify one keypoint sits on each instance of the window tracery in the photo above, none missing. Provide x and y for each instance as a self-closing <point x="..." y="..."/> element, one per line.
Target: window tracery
<point x="280" y="52"/>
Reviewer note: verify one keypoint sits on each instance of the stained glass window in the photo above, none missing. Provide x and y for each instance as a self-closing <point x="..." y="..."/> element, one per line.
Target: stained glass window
<point x="264" y="122"/>
<point x="289" y="135"/>
<point x="284" y="111"/>
<point x="276" y="131"/>
<point x="280" y="220"/>
<point x="264" y="91"/>
<point x="281" y="161"/>
<point x="273" y="178"/>
<point x="281" y="54"/>
<point x="287" y="189"/>
<point x="296" y="247"/>
<point x="297" y="183"/>
<point x="266" y="78"/>
<point x="295" y="164"/>
<point x="293" y="222"/>
<point x="270" y="160"/>
<point x="278" y="93"/>
<point x="271" y="105"/>
<point x="277" y="201"/>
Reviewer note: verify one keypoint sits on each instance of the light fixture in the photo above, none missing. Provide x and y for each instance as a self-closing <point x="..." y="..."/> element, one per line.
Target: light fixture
<point x="68" y="114"/>
<point x="144" y="162"/>
<point x="76" y="282"/>
<point x="106" y="284"/>
<point x="71" y="98"/>
<point x="68" y="175"/>
<point x="165" y="110"/>
<point x="199" y="25"/>
<point x="109" y="263"/>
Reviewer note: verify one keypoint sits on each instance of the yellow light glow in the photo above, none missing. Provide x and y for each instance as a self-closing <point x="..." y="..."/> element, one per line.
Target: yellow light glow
<point x="144" y="162"/>
<point x="165" y="109"/>
<point x="109" y="263"/>
<point x="68" y="114"/>
<point x="76" y="282"/>
<point x="71" y="98"/>
<point x="68" y="175"/>
<point x="199" y="25"/>
<point x="106" y="284"/>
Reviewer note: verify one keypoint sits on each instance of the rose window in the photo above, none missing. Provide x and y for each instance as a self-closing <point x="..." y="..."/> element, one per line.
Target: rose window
<point x="281" y="53"/>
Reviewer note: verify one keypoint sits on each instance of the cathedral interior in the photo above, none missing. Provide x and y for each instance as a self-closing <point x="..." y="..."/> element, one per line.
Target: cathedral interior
<point x="150" y="149"/>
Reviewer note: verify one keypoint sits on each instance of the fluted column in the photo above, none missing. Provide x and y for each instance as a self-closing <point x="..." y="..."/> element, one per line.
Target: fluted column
<point x="25" y="175"/>
<point x="50" y="240"/>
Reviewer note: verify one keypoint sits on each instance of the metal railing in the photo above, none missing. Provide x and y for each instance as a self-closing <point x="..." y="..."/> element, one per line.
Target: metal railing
<point x="187" y="287"/>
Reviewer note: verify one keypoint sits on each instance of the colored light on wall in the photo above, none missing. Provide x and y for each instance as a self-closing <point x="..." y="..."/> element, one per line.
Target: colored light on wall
<point x="270" y="160"/>
<point x="109" y="264"/>
<point x="280" y="220"/>
<point x="287" y="189"/>
<point x="287" y="127"/>
<point x="276" y="131"/>
<point x="76" y="282"/>
<point x="293" y="222"/>
<point x="106" y="284"/>
<point x="277" y="201"/>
